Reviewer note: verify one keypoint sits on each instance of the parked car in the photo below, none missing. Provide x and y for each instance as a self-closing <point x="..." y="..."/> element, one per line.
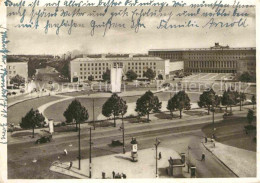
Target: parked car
<point x="45" y="137"/>
<point x="9" y="93"/>
<point x="13" y="93"/>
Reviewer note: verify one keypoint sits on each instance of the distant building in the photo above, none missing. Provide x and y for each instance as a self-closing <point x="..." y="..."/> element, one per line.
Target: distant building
<point x="247" y="64"/>
<point x="216" y="59"/>
<point x="81" y="68"/>
<point x="16" y="68"/>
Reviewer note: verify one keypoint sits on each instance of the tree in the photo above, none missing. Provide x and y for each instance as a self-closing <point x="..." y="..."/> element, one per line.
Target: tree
<point x="77" y="112"/>
<point x="147" y="103"/>
<point x="17" y="80"/>
<point x="65" y="71"/>
<point x="131" y="75"/>
<point x="230" y="98"/>
<point x="160" y="77"/>
<point x="150" y="74"/>
<point x="250" y="116"/>
<point x="242" y="98"/>
<point x="106" y="75"/>
<point x="32" y="120"/>
<point x="114" y="106"/>
<point x="253" y="99"/>
<point x="90" y="78"/>
<point x="206" y="99"/>
<point x="179" y="102"/>
<point x="245" y="77"/>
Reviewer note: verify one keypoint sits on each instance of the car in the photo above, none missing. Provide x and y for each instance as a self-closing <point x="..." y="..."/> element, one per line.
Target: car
<point x="50" y="82"/>
<point x="116" y="143"/>
<point x="47" y="137"/>
<point x="9" y="93"/>
<point x="13" y="93"/>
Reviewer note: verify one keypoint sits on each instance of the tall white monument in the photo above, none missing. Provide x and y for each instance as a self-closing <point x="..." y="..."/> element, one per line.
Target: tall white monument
<point x="116" y="78"/>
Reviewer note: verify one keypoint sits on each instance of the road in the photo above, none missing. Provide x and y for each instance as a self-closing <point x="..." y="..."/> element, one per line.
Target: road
<point x="20" y="155"/>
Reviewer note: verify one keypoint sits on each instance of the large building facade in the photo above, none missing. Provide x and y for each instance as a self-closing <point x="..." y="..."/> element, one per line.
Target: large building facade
<point x="16" y="68"/>
<point x="216" y="59"/>
<point x="82" y="68"/>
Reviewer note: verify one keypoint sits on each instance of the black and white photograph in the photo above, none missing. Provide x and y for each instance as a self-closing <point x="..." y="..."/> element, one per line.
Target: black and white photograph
<point x="129" y="89"/>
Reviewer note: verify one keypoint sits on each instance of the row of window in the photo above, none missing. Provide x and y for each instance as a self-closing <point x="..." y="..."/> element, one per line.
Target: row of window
<point x="91" y="69"/>
<point x="94" y="64"/>
<point x="10" y="72"/>
<point x="224" y="64"/>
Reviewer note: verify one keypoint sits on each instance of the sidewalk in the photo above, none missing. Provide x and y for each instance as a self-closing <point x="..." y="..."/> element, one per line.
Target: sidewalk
<point x="241" y="162"/>
<point x="144" y="168"/>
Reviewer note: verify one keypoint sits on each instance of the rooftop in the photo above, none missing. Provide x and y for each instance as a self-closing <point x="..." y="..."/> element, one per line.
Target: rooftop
<point x="87" y="59"/>
<point x="216" y="47"/>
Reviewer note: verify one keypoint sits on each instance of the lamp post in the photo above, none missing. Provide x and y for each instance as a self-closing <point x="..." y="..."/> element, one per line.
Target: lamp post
<point x="188" y="162"/>
<point x="93" y="109"/>
<point x="90" y="161"/>
<point x="79" y="157"/>
<point x="123" y="131"/>
<point x="157" y="142"/>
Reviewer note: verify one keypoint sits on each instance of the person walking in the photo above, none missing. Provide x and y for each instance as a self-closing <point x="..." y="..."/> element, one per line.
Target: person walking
<point x="203" y="157"/>
<point x="113" y="173"/>
<point x="160" y="155"/>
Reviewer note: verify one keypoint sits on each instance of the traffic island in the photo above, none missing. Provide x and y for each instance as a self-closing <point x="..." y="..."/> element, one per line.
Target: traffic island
<point x="119" y="164"/>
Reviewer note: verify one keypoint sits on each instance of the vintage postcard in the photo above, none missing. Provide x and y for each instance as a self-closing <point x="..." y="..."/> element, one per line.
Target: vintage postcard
<point x="128" y="89"/>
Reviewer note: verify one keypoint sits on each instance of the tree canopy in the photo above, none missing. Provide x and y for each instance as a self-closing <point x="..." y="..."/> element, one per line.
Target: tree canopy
<point x="90" y="78"/>
<point x="246" y="77"/>
<point x="17" y="80"/>
<point x="131" y="75"/>
<point x="250" y="116"/>
<point x="147" y="103"/>
<point x="32" y="120"/>
<point x="115" y="106"/>
<point x="77" y="112"/>
<point x="106" y="75"/>
<point x="150" y="74"/>
<point x="160" y="77"/>
<point x="230" y="98"/>
<point x="253" y="100"/>
<point x="208" y="98"/>
<point x="179" y="101"/>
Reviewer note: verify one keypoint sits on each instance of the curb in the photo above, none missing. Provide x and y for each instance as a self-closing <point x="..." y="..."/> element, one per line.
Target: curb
<point x="219" y="160"/>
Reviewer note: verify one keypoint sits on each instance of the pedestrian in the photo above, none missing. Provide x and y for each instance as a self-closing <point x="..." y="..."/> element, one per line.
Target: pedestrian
<point x="70" y="165"/>
<point x="65" y="152"/>
<point x="203" y="157"/>
<point x="113" y="173"/>
<point x="206" y="140"/>
<point x="124" y="176"/>
<point x="160" y="155"/>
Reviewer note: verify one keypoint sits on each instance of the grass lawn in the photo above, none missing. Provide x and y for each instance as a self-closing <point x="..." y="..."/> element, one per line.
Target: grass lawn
<point x="56" y="111"/>
<point x="17" y="111"/>
<point x="231" y="132"/>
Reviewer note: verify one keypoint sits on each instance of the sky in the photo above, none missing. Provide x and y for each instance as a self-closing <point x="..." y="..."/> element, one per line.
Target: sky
<point x="119" y="40"/>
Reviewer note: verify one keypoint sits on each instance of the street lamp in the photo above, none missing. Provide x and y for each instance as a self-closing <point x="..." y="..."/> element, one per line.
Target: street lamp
<point x="188" y="162"/>
<point x="93" y="109"/>
<point x="157" y="142"/>
<point x="123" y="131"/>
<point x="79" y="157"/>
<point x="90" y="146"/>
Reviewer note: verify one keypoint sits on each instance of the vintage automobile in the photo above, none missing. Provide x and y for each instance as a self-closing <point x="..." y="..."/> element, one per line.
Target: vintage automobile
<point x="44" y="138"/>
